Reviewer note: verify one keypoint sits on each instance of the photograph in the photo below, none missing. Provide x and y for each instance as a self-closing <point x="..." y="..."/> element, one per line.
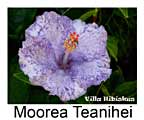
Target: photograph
<point x="72" y="55"/>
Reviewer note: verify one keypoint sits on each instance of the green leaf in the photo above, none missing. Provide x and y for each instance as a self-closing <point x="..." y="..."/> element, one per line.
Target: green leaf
<point x="19" y="20"/>
<point x="124" y="12"/>
<point x="99" y="88"/>
<point x="126" y="88"/>
<point x="66" y="11"/>
<point x="105" y="90"/>
<point x="37" y="95"/>
<point x="81" y="100"/>
<point x="54" y="99"/>
<point x="89" y="14"/>
<point x="22" y="77"/>
<point x="18" y="92"/>
<point x="115" y="79"/>
<point x="112" y="46"/>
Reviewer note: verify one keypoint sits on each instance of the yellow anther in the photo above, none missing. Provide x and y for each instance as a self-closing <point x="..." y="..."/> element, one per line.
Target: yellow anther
<point x="71" y="43"/>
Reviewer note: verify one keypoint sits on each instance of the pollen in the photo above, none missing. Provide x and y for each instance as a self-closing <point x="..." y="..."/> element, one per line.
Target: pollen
<point x="71" y="42"/>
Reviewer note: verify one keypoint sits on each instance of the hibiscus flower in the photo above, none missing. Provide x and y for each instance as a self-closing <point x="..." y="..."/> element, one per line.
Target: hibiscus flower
<point x="64" y="56"/>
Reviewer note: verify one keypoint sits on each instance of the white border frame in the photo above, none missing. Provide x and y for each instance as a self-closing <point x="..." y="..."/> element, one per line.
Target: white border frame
<point x="6" y="110"/>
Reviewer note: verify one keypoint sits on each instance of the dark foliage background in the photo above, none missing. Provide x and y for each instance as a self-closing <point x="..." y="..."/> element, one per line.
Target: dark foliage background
<point x="121" y="25"/>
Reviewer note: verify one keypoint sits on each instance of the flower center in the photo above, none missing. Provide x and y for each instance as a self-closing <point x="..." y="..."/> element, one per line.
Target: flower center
<point x="70" y="44"/>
